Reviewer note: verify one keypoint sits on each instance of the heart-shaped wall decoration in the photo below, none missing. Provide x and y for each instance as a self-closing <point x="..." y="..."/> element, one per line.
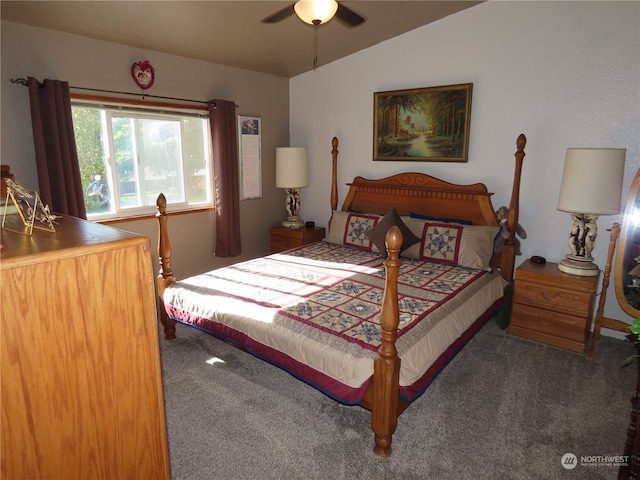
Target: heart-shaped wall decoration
<point x="143" y="74"/>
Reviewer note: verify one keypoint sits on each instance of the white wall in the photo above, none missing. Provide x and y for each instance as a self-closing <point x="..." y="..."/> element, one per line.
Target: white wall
<point x="566" y="74"/>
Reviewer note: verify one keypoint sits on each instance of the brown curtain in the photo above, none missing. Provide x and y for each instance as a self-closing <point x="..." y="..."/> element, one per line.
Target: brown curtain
<point x="59" y="181"/>
<point x="224" y="137"/>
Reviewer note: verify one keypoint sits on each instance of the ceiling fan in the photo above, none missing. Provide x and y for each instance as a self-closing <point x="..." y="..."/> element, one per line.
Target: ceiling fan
<point x="317" y="12"/>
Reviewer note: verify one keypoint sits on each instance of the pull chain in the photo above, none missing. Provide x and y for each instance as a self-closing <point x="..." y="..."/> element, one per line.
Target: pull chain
<point x="316" y="23"/>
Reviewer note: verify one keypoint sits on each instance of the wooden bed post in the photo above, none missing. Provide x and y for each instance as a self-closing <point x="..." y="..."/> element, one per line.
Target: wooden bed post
<point x="334" y="174"/>
<point x="509" y="252"/>
<point x="386" y="373"/>
<point x="165" y="274"/>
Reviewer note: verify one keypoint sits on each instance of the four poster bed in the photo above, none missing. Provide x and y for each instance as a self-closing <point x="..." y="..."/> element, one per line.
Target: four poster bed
<point x="364" y="329"/>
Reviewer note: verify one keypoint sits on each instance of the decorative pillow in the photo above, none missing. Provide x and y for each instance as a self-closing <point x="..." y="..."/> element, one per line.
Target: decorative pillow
<point x="349" y="229"/>
<point x="464" y="245"/>
<point x="446" y="220"/>
<point x="378" y="233"/>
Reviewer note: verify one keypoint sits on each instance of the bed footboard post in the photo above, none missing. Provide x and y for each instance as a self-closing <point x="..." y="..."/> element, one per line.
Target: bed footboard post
<point x="386" y="376"/>
<point x="509" y="252"/>
<point x="165" y="274"/>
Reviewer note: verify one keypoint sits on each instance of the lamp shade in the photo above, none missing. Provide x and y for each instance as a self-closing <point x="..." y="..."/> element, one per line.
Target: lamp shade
<point x="592" y="181"/>
<point x="316" y="11"/>
<point x="291" y="167"/>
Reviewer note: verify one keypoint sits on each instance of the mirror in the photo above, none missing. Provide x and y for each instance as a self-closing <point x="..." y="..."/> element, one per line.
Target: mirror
<point x="627" y="268"/>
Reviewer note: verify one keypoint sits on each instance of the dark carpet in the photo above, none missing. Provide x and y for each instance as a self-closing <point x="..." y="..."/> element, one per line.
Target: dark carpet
<point x="504" y="408"/>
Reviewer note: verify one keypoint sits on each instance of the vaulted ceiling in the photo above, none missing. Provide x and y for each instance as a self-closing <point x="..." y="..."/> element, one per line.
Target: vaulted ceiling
<point x="231" y="32"/>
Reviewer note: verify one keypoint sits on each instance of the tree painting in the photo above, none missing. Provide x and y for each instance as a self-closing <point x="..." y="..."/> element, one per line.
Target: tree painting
<point x="427" y="124"/>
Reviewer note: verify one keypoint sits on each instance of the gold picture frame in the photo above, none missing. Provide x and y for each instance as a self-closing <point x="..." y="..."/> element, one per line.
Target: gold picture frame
<point x="29" y="207"/>
<point x="422" y="124"/>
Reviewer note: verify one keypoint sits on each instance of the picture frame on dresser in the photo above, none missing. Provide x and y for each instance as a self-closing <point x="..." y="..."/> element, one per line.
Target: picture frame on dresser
<point x="29" y="207"/>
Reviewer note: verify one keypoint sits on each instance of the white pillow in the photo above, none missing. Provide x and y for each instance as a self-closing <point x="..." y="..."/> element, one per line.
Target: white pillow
<point x="454" y="244"/>
<point x="349" y="228"/>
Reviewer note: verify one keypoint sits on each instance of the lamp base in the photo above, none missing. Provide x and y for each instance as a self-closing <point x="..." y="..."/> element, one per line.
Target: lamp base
<point x="582" y="268"/>
<point x="295" y="223"/>
<point x="293" y="219"/>
<point x="582" y="239"/>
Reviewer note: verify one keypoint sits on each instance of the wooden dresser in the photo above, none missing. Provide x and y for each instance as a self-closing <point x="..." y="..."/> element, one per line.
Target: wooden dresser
<point x="81" y="385"/>
<point x="551" y="306"/>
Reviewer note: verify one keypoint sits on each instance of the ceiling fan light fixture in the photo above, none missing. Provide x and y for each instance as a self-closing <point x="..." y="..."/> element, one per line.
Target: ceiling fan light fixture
<point x="315" y="12"/>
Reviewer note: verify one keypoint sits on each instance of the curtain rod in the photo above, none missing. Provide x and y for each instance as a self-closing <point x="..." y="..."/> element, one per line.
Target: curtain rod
<point x="23" y="82"/>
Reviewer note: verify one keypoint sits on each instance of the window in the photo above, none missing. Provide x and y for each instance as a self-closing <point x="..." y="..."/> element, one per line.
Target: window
<point x="129" y="155"/>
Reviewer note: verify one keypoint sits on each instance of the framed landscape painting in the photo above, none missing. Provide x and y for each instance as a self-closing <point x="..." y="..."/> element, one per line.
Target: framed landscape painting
<point x="422" y="124"/>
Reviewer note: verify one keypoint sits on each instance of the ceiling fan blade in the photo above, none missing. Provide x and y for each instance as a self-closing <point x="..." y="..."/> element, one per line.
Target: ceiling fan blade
<point x="280" y="15"/>
<point x="348" y="16"/>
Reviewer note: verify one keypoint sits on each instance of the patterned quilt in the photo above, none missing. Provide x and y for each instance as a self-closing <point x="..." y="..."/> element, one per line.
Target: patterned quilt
<point x="315" y="311"/>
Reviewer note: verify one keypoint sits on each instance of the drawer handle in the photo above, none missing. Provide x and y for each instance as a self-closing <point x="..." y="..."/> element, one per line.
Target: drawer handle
<point x="558" y="296"/>
<point x="548" y="298"/>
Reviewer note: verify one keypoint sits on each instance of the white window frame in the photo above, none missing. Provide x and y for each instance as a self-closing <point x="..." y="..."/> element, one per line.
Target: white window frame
<point x="139" y="109"/>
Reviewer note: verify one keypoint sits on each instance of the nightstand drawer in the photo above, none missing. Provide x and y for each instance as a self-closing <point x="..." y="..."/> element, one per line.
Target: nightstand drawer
<point x="553" y="298"/>
<point x="278" y="244"/>
<point x="286" y="238"/>
<point x="549" y="322"/>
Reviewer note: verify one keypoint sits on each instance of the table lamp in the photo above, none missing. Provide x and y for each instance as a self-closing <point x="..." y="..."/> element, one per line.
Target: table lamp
<point x="591" y="186"/>
<point x="292" y="174"/>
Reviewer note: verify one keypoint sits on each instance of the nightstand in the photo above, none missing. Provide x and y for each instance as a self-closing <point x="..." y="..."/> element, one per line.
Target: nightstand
<point x="551" y="306"/>
<point x="285" y="238"/>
